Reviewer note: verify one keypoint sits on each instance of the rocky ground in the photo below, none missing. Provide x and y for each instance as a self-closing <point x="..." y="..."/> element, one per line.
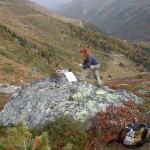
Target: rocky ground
<point x="42" y="100"/>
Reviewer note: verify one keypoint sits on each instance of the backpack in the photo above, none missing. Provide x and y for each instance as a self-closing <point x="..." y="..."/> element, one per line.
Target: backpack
<point x="134" y="135"/>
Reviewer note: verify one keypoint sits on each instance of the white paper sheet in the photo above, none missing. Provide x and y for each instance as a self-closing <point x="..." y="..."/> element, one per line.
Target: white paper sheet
<point x="70" y="76"/>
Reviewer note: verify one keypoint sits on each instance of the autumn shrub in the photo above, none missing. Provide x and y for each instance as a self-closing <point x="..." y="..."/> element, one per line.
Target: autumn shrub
<point x="114" y="87"/>
<point x="17" y="137"/>
<point x="65" y="133"/>
<point x="108" y="124"/>
<point x="122" y="86"/>
<point x="147" y="95"/>
<point x="2" y="130"/>
<point x="41" y="143"/>
<point x="68" y="146"/>
<point x="64" y="130"/>
<point x="144" y="110"/>
<point x="137" y="88"/>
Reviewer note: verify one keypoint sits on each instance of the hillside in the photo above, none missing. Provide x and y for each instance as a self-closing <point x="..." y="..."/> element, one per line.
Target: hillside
<point x="128" y="20"/>
<point x="27" y="31"/>
<point x="35" y="42"/>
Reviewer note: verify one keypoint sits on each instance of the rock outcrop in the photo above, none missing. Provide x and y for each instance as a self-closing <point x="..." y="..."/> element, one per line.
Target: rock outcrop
<point x="42" y="100"/>
<point x="7" y="88"/>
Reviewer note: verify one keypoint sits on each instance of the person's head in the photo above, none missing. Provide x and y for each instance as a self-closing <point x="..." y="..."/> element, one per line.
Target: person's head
<point x="84" y="52"/>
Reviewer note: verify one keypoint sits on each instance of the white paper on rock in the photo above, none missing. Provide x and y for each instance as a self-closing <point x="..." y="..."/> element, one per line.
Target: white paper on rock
<point x="70" y="76"/>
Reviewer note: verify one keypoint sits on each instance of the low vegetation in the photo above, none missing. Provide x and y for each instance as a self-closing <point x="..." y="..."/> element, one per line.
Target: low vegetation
<point x="65" y="133"/>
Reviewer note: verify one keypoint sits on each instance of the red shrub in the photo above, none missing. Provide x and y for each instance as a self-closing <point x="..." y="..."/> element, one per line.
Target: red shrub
<point x="147" y="95"/>
<point x="109" y="123"/>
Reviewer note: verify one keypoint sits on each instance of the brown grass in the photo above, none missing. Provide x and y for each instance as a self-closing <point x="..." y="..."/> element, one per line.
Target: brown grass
<point x="3" y="99"/>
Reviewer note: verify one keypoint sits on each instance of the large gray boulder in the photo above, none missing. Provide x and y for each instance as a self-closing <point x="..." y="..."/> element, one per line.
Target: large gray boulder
<point x="42" y="100"/>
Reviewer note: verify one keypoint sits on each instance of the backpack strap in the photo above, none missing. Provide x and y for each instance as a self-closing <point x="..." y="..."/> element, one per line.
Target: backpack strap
<point x="119" y="139"/>
<point x="144" y="136"/>
<point x="120" y="135"/>
<point x="113" y="140"/>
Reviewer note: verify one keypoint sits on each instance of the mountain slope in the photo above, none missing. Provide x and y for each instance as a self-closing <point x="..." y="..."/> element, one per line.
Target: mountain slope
<point x="128" y="19"/>
<point x="29" y="30"/>
<point x="35" y="42"/>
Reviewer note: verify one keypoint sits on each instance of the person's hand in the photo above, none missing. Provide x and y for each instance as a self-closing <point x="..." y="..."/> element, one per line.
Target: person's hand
<point x="58" y="72"/>
<point x="80" y="65"/>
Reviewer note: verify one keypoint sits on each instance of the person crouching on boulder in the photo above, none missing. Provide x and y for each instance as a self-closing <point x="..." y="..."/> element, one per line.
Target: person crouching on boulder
<point x="90" y="62"/>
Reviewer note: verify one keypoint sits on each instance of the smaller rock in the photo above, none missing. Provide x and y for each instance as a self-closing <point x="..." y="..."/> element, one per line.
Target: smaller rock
<point x="7" y="88"/>
<point x="3" y="85"/>
<point x="144" y="92"/>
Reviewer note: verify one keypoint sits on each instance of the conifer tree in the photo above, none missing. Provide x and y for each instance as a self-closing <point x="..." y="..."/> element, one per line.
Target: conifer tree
<point x="17" y="137"/>
<point x="68" y="146"/>
<point x="41" y="143"/>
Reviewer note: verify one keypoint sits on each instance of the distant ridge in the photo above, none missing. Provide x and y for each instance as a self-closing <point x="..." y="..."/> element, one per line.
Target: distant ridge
<point x="125" y="19"/>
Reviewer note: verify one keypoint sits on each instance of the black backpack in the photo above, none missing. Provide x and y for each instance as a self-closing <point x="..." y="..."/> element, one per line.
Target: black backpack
<point x="134" y="135"/>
